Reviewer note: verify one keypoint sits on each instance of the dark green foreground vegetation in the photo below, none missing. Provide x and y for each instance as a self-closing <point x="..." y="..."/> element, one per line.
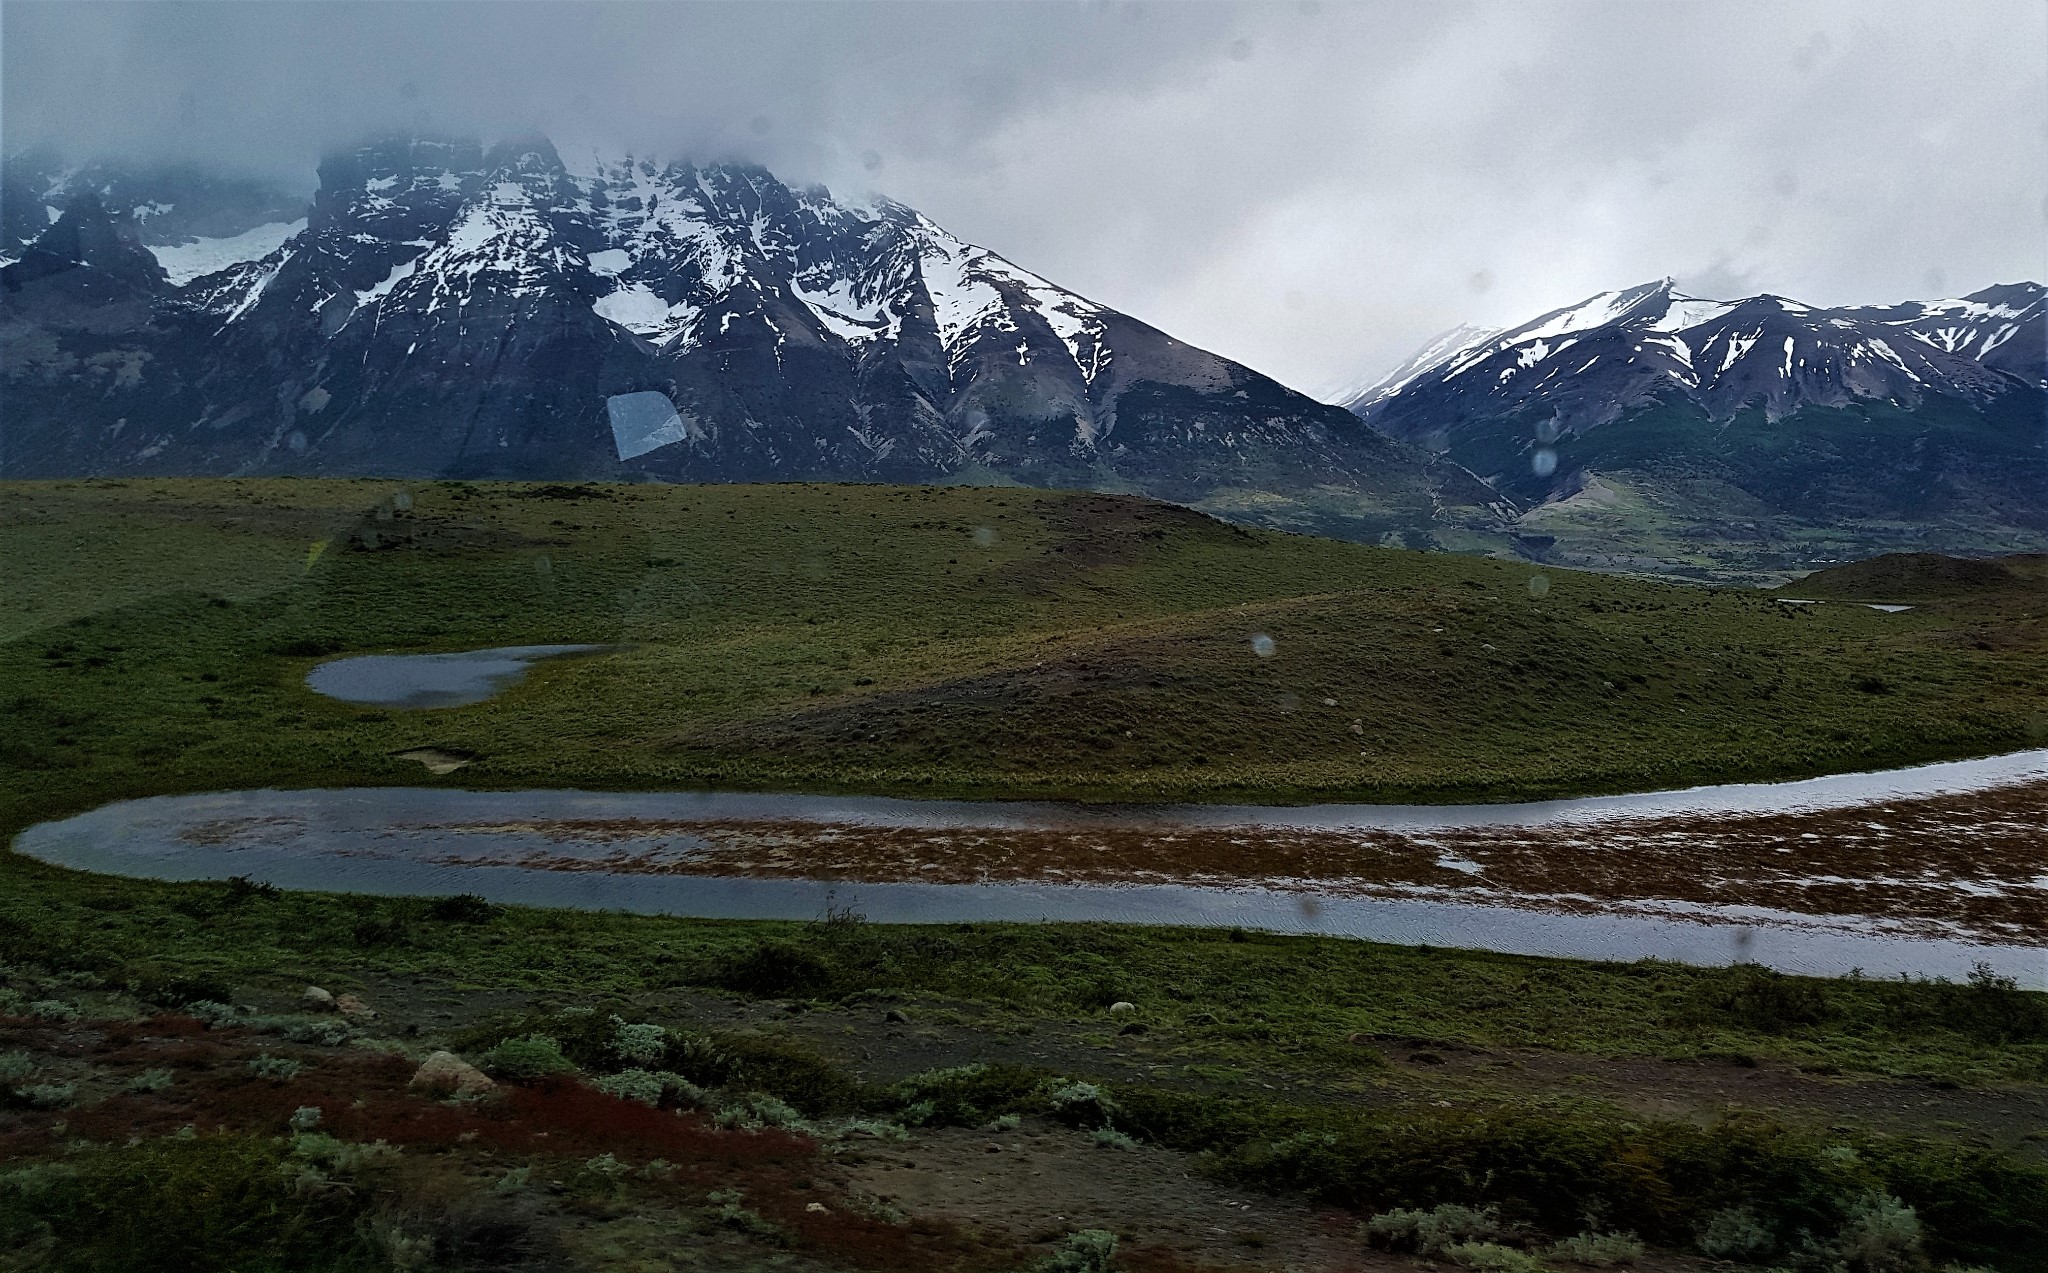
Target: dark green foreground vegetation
<point x="1245" y="1002"/>
<point x="154" y="637"/>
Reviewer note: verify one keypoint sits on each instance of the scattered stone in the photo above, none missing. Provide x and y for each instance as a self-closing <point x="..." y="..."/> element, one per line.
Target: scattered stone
<point x="896" y="1016"/>
<point x="435" y="760"/>
<point x="1122" y="1006"/>
<point x="350" y="1006"/>
<point x="1136" y="1027"/>
<point x="317" y="1000"/>
<point x="993" y="1148"/>
<point x="818" y="1208"/>
<point x="446" y="1074"/>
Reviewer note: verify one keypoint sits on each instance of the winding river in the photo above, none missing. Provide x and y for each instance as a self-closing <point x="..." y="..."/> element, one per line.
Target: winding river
<point x="1927" y="871"/>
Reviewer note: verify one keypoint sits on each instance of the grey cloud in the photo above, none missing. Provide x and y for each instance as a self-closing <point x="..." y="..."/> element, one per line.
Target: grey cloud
<point x="1313" y="189"/>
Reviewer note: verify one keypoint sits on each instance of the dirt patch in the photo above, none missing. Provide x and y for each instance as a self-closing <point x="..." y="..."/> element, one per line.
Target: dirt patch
<point x="1041" y="1181"/>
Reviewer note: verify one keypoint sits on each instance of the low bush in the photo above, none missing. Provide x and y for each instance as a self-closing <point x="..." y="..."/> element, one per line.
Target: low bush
<point x="777" y="970"/>
<point x="1736" y="1188"/>
<point x="1084" y="1251"/>
<point x="1735" y="1233"/>
<point x="177" y="1204"/>
<point x="1429" y="1232"/>
<point x="1491" y="1257"/>
<point x="1599" y="1250"/>
<point x="463" y="908"/>
<point x="527" y="1059"/>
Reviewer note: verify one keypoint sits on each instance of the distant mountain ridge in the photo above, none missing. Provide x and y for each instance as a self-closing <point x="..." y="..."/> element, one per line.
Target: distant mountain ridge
<point x="1591" y="361"/>
<point x="446" y="309"/>
<point x="1646" y="429"/>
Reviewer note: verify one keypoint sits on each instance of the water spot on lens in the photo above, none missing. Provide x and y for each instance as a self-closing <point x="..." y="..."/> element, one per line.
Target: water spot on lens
<point x="1547" y="431"/>
<point x="1544" y="462"/>
<point x="297" y="442"/>
<point x="1539" y="585"/>
<point x="1290" y="703"/>
<point x="544" y="566"/>
<point x="1263" y="646"/>
<point x="984" y="536"/>
<point x="1311" y="906"/>
<point x="402" y="501"/>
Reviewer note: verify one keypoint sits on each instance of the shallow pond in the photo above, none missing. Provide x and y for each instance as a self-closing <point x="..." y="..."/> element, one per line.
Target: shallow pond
<point x="590" y="850"/>
<point x="432" y="680"/>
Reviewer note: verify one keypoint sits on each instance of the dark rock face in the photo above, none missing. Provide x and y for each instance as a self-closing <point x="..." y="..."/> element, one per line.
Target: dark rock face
<point x="446" y="310"/>
<point x="1748" y="416"/>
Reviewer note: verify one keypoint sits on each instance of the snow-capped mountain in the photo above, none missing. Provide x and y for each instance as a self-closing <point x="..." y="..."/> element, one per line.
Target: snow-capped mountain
<point x="443" y="309"/>
<point x="1921" y="414"/>
<point x="1589" y="363"/>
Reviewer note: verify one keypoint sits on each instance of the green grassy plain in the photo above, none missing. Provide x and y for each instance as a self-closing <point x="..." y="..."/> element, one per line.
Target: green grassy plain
<point x="928" y="641"/>
<point x="154" y="637"/>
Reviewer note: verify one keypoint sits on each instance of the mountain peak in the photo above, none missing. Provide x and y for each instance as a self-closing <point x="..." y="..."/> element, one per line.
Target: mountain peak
<point x="452" y="310"/>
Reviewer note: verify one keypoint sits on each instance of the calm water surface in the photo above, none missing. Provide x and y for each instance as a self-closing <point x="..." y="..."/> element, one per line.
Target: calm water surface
<point x="407" y="841"/>
<point x="432" y="680"/>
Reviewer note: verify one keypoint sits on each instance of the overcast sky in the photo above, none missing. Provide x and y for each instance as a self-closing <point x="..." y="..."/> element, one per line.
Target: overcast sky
<point x="1311" y="188"/>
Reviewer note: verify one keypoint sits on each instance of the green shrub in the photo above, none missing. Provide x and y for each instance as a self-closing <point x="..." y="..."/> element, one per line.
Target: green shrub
<point x="1599" y="1250"/>
<point x="1751" y="997"/>
<point x="48" y="1095"/>
<point x="1880" y="1234"/>
<point x="1735" y="1233"/>
<point x="968" y="1095"/>
<point x="277" y="1069"/>
<point x="1491" y="1257"/>
<point x="650" y="1087"/>
<point x="1078" y="1102"/>
<point x="53" y="1010"/>
<point x="527" y="1059"/>
<point x="151" y="1081"/>
<point x="16" y="1067"/>
<point x="777" y="970"/>
<point x="753" y="1110"/>
<point x="463" y="908"/>
<point x="1430" y="1232"/>
<point x="787" y="1071"/>
<point x="638" y="1044"/>
<point x="178" y="1204"/>
<point x="1084" y="1251"/>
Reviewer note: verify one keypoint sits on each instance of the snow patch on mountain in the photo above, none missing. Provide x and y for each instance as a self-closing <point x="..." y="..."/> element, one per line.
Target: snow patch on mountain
<point x="185" y="262"/>
<point x="636" y="308"/>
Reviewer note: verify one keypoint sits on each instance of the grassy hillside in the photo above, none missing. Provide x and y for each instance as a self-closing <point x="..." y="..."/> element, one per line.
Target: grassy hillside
<point x="921" y="640"/>
<point x="1753" y="499"/>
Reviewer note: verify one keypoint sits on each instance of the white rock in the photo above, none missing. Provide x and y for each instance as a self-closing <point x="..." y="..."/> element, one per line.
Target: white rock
<point x="446" y="1074"/>
<point x="317" y="1000"/>
<point x="1122" y="1006"/>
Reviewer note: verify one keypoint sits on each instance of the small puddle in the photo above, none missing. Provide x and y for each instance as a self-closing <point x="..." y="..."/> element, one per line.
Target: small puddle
<point x="433" y="680"/>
